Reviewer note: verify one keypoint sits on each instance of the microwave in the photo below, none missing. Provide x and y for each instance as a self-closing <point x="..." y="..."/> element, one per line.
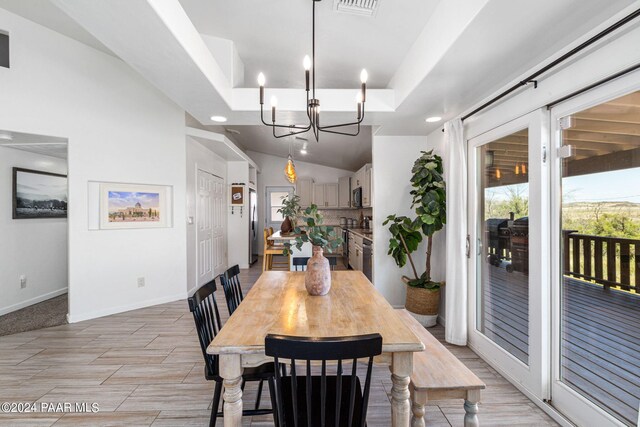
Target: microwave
<point x="357" y="198"/>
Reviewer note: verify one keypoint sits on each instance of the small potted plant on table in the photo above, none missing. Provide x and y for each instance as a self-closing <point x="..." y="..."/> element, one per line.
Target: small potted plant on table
<point x="429" y="200"/>
<point x="317" y="278"/>
<point x="290" y="210"/>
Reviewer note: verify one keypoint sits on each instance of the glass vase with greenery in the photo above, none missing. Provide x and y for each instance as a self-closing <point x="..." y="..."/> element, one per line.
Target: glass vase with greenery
<point x="429" y="200"/>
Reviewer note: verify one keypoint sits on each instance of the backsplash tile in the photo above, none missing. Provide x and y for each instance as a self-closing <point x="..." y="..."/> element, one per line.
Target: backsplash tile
<point x="332" y="216"/>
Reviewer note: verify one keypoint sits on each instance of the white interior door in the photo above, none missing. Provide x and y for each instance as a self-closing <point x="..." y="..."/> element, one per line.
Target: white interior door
<point x="508" y="277"/>
<point x="211" y="226"/>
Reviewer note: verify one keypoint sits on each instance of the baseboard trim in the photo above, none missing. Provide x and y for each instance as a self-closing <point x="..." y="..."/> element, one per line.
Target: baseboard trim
<point x="74" y="318"/>
<point x="35" y="300"/>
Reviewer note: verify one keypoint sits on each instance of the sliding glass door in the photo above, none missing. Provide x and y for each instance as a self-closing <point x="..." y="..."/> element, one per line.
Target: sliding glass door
<point x="596" y="275"/>
<point x="505" y="214"/>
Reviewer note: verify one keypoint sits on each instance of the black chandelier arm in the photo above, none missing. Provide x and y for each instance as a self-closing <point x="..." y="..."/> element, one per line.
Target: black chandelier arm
<point x="290" y="133"/>
<point x="304" y="129"/>
<point x="342" y="133"/>
<point x="323" y="128"/>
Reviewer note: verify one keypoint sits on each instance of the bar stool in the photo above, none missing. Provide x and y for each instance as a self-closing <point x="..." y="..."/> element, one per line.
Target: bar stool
<point x="269" y="251"/>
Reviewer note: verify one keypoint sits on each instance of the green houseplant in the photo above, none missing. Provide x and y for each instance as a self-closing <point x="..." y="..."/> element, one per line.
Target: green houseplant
<point x="429" y="204"/>
<point x="290" y="210"/>
<point x="318" y="275"/>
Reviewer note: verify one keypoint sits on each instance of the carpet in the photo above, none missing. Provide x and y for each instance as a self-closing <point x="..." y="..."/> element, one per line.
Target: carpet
<point x="45" y="314"/>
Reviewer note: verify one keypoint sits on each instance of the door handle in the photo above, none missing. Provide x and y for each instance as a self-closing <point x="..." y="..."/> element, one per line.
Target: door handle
<point x="468" y="248"/>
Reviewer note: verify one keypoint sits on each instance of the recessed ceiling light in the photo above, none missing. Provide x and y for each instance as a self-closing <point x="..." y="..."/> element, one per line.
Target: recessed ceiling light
<point x="219" y="119"/>
<point x="6" y="136"/>
<point x="433" y="119"/>
<point x="303" y="151"/>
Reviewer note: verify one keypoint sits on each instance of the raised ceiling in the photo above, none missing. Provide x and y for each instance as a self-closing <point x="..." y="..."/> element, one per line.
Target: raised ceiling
<point x="274" y="36"/>
<point x="426" y="57"/>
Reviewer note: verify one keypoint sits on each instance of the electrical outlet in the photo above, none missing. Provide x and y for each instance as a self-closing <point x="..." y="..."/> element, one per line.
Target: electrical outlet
<point x="23" y="281"/>
<point x="140" y="282"/>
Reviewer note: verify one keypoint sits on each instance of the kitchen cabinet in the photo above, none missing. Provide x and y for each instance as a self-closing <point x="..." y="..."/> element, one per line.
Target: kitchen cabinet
<point x="366" y="190"/>
<point x="325" y="195"/>
<point x="355" y="252"/>
<point x="318" y="195"/>
<point x="344" y="192"/>
<point x="304" y="189"/>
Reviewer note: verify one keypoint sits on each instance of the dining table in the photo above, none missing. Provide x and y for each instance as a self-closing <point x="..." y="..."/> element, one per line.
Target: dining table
<point x="278" y="303"/>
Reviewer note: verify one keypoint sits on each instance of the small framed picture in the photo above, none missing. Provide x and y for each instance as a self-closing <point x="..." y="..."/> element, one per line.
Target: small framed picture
<point x="134" y="206"/>
<point x="237" y="195"/>
<point x="38" y="194"/>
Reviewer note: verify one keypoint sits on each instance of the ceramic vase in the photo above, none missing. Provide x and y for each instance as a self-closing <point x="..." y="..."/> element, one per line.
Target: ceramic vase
<point x="286" y="226"/>
<point x="317" y="279"/>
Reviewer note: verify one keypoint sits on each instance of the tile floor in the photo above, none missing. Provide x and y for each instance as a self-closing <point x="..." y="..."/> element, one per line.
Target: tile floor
<point x="144" y="367"/>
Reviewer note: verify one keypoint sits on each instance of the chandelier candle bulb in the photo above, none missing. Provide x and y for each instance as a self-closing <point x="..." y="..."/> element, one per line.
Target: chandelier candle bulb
<point x="261" y="80"/>
<point x="274" y="104"/>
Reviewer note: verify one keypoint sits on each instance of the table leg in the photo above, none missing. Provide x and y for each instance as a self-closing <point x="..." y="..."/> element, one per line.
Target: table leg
<point x="418" y="402"/>
<point x="471" y="409"/>
<point x="231" y="372"/>
<point x="401" y="368"/>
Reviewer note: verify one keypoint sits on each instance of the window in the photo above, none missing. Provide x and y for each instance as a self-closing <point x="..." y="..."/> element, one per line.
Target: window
<point x="274" y="202"/>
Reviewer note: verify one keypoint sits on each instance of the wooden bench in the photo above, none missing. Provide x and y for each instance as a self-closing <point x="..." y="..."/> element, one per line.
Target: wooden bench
<point x="439" y="375"/>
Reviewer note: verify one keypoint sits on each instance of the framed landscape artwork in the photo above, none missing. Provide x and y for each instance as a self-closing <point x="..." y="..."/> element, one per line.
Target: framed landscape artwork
<point x="134" y="206"/>
<point x="38" y="194"/>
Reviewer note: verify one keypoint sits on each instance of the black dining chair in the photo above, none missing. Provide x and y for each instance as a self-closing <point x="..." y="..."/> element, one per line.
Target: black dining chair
<point x="322" y="400"/>
<point x="232" y="290"/>
<point x="300" y="263"/>
<point x="207" y="319"/>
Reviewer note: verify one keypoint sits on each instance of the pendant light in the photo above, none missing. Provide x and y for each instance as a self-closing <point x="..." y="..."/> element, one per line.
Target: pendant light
<point x="517" y="170"/>
<point x="498" y="174"/>
<point x="290" y="168"/>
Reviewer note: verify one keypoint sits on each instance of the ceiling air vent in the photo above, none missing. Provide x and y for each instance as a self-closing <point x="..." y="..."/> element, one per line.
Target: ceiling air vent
<point x="357" y="7"/>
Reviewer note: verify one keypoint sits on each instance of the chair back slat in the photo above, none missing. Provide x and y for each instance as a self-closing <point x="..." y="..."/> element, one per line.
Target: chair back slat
<point x="300" y="263"/>
<point x="305" y="410"/>
<point x="232" y="288"/>
<point x="207" y="321"/>
<point x="294" y="391"/>
<point x="338" y="391"/>
<point x="352" y="396"/>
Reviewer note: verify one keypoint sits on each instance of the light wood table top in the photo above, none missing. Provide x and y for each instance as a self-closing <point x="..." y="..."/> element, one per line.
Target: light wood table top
<point x="279" y="304"/>
<point x="278" y="237"/>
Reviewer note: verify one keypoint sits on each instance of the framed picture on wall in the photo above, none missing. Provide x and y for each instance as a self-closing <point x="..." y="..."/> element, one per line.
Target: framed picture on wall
<point x="39" y="194"/>
<point x="237" y="195"/>
<point x="134" y="206"/>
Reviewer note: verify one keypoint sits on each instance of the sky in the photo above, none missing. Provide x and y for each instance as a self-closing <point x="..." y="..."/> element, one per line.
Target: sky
<point x="35" y="186"/>
<point x="615" y="186"/>
<point x="118" y="200"/>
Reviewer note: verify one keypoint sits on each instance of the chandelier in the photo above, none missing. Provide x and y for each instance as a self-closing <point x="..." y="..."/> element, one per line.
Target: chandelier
<point x="313" y="103"/>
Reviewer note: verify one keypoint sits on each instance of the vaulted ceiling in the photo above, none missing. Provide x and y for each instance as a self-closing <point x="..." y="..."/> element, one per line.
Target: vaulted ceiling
<point x="424" y="57"/>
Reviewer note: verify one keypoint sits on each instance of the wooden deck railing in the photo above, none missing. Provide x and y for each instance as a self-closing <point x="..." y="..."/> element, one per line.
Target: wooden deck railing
<point x="609" y="261"/>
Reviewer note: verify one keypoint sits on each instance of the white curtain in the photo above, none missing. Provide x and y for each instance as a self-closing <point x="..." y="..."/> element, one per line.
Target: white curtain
<point x="456" y="231"/>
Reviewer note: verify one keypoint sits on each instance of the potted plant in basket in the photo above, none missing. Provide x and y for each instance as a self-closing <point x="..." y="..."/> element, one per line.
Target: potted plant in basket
<point x="290" y="210"/>
<point x="317" y="279"/>
<point x="429" y="200"/>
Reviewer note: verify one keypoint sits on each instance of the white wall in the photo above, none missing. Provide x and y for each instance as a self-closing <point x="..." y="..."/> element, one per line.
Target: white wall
<point x="119" y="129"/>
<point x="198" y="157"/>
<point x="272" y="174"/>
<point x="36" y="248"/>
<point x="393" y="158"/>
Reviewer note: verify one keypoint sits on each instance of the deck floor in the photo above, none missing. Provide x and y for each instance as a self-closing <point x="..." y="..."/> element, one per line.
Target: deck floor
<point x="600" y="337"/>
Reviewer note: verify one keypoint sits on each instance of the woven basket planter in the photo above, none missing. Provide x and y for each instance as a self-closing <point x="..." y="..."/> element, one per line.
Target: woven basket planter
<point x="423" y="303"/>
